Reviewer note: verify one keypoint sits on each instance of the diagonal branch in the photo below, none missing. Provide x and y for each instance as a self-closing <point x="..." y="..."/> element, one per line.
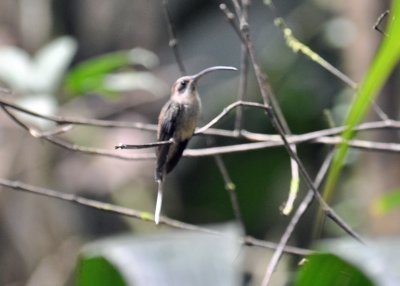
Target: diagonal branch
<point x="277" y="124"/>
<point x="173" y="41"/>
<point x="141" y="215"/>
<point x="295" y="219"/>
<point x="61" y="120"/>
<point x="73" y="147"/>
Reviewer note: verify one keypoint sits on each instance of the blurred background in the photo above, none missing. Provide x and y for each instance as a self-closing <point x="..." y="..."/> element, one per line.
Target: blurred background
<point x="54" y="55"/>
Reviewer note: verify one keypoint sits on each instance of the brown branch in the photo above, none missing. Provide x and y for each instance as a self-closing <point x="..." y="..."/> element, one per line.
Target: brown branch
<point x="225" y="111"/>
<point x="99" y="152"/>
<point x="277" y="124"/>
<point x="295" y="219"/>
<point x="265" y="89"/>
<point x="244" y="67"/>
<point x="379" y="22"/>
<point x="77" y="121"/>
<point x="230" y="187"/>
<point x="296" y="45"/>
<point x="74" y="147"/>
<point x="143" y="146"/>
<point x="268" y="141"/>
<point x="173" y="41"/>
<point x="337" y="140"/>
<point x="374" y="125"/>
<point x="141" y="215"/>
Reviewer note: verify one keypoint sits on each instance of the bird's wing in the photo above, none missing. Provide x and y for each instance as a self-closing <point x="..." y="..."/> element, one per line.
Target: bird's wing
<point x="175" y="155"/>
<point x="168" y="120"/>
<point x="166" y="128"/>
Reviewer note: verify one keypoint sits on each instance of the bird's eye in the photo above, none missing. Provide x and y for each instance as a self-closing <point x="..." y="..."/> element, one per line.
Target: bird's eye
<point x="182" y="85"/>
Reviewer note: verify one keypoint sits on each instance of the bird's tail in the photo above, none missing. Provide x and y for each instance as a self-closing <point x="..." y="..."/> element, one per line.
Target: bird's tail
<point x="159" y="201"/>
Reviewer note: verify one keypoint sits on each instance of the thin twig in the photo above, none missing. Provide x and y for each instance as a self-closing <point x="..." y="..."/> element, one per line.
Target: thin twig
<point x="379" y="22"/>
<point x="268" y="141"/>
<point x="244" y="67"/>
<point x="143" y="146"/>
<point x="61" y="120"/>
<point x="268" y="97"/>
<point x="173" y="41"/>
<point x="225" y="111"/>
<point x="74" y="147"/>
<point x="77" y="121"/>
<point x="337" y="140"/>
<point x="296" y="46"/>
<point x="295" y="219"/>
<point x="141" y="215"/>
<point x="230" y="187"/>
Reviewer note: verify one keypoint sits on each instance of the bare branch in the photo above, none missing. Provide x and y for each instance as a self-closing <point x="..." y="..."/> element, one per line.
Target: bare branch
<point x="225" y="111"/>
<point x="244" y="67"/>
<point x="76" y="121"/>
<point x="143" y="146"/>
<point x="141" y="215"/>
<point x="295" y="219"/>
<point x="265" y="92"/>
<point x="296" y="46"/>
<point x="230" y="187"/>
<point x="173" y="41"/>
<point x="379" y="22"/>
<point x="73" y="147"/>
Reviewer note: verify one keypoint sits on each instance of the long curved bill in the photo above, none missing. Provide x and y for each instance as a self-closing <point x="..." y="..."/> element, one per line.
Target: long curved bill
<point x="211" y="69"/>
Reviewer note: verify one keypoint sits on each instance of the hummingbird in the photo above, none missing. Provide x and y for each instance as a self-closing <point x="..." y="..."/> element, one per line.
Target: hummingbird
<point x="176" y="123"/>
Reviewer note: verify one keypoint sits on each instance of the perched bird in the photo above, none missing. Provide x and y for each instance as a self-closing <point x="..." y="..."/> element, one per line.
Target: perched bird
<point x="176" y="123"/>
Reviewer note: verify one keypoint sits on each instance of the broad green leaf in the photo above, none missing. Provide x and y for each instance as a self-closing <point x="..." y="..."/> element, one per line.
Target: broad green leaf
<point x="386" y="59"/>
<point x="330" y="270"/>
<point x="374" y="263"/>
<point x="90" y="75"/>
<point x="387" y="203"/>
<point x="98" y="271"/>
<point x="175" y="258"/>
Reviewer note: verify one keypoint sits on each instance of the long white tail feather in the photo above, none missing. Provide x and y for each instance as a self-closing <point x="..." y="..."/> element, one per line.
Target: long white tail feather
<point x="158" y="203"/>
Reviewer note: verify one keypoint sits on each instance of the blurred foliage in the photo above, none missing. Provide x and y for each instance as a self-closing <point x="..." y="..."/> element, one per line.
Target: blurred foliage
<point x="41" y="73"/>
<point x="330" y="270"/>
<point x="37" y="79"/>
<point x="387" y="202"/>
<point x="95" y="75"/>
<point x="99" y="271"/>
<point x="163" y="259"/>
<point x="348" y="262"/>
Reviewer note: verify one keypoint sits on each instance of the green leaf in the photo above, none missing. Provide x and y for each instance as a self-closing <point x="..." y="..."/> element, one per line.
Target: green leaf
<point x="162" y="259"/>
<point x="90" y="75"/>
<point x="330" y="270"/>
<point x="382" y="65"/>
<point x="386" y="203"/>
<point x="374" y="263"/>
<point x="98" y="271"/>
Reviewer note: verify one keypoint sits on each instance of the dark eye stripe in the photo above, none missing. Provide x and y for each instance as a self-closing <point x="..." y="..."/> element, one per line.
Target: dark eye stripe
<point x="182" y="85"/>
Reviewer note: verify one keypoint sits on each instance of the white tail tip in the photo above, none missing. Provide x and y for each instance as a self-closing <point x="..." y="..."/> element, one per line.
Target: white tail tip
<point x="158" y="203"/>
